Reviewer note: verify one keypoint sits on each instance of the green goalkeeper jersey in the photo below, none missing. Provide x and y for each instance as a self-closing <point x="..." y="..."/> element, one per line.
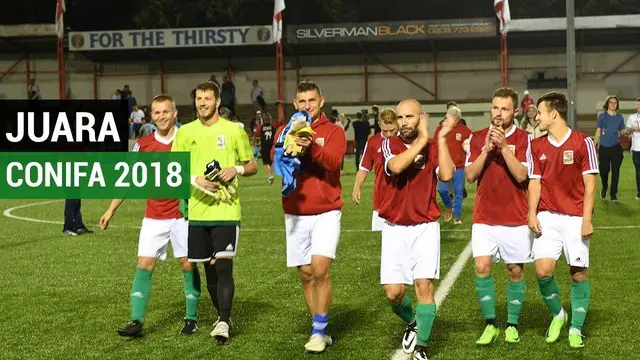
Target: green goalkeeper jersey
<point x="225" y="142"/>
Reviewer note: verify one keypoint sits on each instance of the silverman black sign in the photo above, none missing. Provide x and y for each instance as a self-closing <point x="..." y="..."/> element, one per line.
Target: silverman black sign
<point x="391" y="31"/>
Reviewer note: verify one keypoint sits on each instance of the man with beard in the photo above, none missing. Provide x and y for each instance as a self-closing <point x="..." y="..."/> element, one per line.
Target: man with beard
<point x="163" y="223"/>
<point x="214" y="220"/>
<point x="411" y="233"/>
<point x="498" y="159"/>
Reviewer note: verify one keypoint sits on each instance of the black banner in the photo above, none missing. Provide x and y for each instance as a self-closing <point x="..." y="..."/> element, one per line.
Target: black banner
<point x="64" y="125"/>
<point x="391" y="31"/>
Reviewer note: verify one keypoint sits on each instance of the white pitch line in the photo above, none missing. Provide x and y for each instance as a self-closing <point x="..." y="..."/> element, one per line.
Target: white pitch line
<point x="443" y="289"/>
<point x="9" y="213"/>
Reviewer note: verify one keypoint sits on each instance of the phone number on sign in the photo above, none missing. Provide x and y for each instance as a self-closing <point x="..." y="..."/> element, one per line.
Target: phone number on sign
<point x="82" y="174"/>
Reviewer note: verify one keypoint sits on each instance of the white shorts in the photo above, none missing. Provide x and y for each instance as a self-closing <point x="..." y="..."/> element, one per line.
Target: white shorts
<point x="309" y="235"/>
<point x="155" y="235"/>
<point x="511" y="244"/>
<point x="561" y="232"/>
<point x="410" y="253"/>
<point x="377" y="223"/>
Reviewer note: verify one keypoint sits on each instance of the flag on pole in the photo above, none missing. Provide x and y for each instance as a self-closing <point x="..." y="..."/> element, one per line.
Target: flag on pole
<point x="501" y="7"/>
<point x="60" y="10"/>
<point x="277" y="20"/>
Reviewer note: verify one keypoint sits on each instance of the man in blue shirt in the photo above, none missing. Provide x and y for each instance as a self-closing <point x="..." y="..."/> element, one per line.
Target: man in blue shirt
<point x="610" y="124"/>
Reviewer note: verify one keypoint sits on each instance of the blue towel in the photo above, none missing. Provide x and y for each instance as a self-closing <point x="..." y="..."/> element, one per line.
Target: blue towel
<point x="286" y="166"/>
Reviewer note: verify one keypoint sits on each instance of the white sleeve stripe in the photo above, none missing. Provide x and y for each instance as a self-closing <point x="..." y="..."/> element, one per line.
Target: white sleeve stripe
<point x="535" y="177"/>
<point x="136" y="147"/>
<point x="366" y="147"/>
<point x="364" y="169"/>
<point x="590" y="172"/>
<point x="466" y="161"/>
<point x="386" y="149"/>
<point x="591" y="151"/>
<point x="529" y="156"/>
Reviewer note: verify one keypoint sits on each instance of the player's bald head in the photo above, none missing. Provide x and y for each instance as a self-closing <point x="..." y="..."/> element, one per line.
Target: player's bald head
<point x="409" y="105"/>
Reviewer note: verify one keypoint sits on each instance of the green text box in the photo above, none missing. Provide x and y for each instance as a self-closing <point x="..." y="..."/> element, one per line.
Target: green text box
<point x="95" y="175"/>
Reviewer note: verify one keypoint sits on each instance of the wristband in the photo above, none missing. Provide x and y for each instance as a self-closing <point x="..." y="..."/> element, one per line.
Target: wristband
<point x="240" y="169"/>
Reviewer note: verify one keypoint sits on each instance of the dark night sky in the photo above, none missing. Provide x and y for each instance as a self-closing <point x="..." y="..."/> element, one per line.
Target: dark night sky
<point x="85" y="15"/>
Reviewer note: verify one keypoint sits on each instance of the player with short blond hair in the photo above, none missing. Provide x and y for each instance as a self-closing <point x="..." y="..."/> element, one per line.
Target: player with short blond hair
<point x="372" y="160"/>
<point x="163" y="223"/>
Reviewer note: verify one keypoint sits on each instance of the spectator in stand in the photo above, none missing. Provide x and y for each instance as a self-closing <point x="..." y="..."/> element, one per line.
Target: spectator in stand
<point x="224" y="113"/>
<point x="257" y="97"/>
<point x="256" y="121"/>
<point x="33" y="91"/>
<point x="607" y="138"/>
<point x="531" y="124"/>
<point x="361" y="131"/>
<point x="228" y="95"/>
<point x="135" y="122"/>
<point x="147" y="128"/>
<point x="117" y="95"/>
<point x="213" y="79"/>
<point x="376" y="118"/>
<point x="526" y="102"/>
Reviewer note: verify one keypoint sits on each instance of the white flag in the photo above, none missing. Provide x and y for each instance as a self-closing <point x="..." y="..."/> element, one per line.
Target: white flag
<point x="60" y="10"/>
<point x="277" y="20"/>
<point x="501" y="7"/>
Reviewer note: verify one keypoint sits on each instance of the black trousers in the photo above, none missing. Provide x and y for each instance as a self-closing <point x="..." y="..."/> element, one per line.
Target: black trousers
<point x="610" y="159"/>
<point x="72" y="215"/>
<point x="359" y="149"/>
<point x="636" y="163"/>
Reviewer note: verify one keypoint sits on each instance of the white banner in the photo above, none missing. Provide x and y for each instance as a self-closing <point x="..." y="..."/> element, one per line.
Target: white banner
<point x="170" y="38"/>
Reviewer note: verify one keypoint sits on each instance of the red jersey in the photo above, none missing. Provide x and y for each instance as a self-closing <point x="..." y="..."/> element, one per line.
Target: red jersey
<point x="372" y="160"/>
<point x="318" y="188"/>
<point x="159" y="208"/>
<point x="561" y="166"/>
<point x="455" y="139"/>
<point x="410" y="197"/>
<point x="500" y="199"/>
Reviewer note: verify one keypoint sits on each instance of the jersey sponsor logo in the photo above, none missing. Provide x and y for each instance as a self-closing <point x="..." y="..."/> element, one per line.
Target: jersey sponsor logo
<point x="458" y="137"/>
<point x="512" y="148"/>
<point x="222" y="141"/>
<point x="567" y="157"/>
<point x="320" y="141"/>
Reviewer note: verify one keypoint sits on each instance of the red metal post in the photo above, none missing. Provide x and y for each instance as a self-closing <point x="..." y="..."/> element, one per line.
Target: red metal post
<point x="62" y="75"/>
<point x="27" y="66"/>
<point x="366" y="79"/>
<point x="504" y="61"/>
<point x="95" y="81"/>
<point x="161" y="77"/>
<point x="280" y="81"/>
<point x="402" y="75"/>
<point x="435" y="73"/>
<point x="615" y="70"/>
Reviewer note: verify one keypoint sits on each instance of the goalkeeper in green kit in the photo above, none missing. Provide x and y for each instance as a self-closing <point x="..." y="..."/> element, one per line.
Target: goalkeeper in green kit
<point x="216" y="147"/>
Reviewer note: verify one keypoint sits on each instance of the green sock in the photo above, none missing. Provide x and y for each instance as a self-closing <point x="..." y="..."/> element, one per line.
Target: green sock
<point x="404" y="310"/>
<point x="140" y="294"/>
<point x="580" y="294"/>
<point x="486" y="296"/>
<point x="515" y="299"/>
<point x="192" y="292"/>
<point x="425" y="315"/>
<point x="550" y="294"/>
